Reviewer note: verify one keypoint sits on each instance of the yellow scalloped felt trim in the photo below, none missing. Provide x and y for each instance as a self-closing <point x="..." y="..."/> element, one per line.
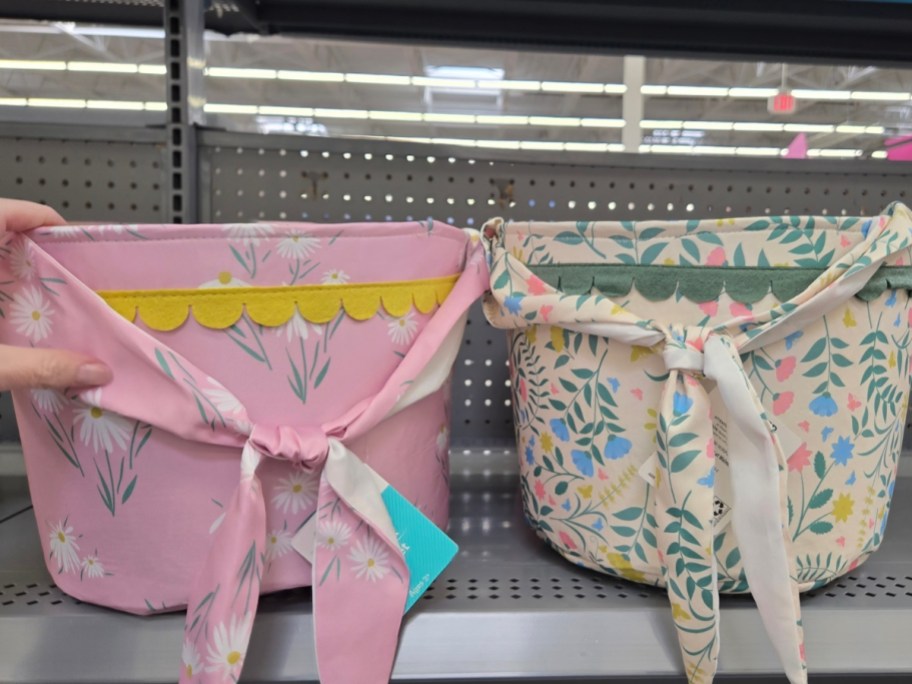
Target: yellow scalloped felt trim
<point x="221" y="308"/>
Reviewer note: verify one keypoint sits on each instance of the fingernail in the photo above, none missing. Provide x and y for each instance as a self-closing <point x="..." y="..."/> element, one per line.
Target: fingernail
<point x="89" y="374"/>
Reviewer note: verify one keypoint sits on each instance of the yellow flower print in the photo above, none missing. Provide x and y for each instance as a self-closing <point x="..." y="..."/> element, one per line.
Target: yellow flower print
<point x="669" y="261"/>
<point x="546" y="442"/>
<point x="622" y="566"/>
<point x="651" y="424"/>
<point x="678" y="612"/>
<point x="517" y="253"/>
<point x="848" y="320"/>
<point x="531" y="334"/>
<point x="617" y="309"/>
<point x="585" y="492"/>
<point x="892" y="361"/>
<point x="557" y="338"/>
<point x="638" y="352"/>
<point x="842" y="507"/>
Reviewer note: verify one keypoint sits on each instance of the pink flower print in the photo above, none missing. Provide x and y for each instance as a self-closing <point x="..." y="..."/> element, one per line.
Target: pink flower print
<point x="739" y="310"/>
<point x="853" y="564"/>
<point x="566" y="540"/>
<point x="782" y="402"/>
<point x="602" y="475"/>
<point x="801" y="652"/>
<point x="716" y="257"/>
<point x="853" y="402"/>
<point x="711" y="449"/>
<point x="804" y="425"/>
<point x="554" y="390"/>
<point x="784" y="368"/>
<point x="539" y="489"/>
<point x="523" y="389"/>
<point x="709" y="308"/>
<point x="844" y="242"/>
<point x="638" y="393"/>
<point x="801" y="459"/>
<point x="545" y="311"/>
<point x="535" y="286"/>
<point x="695" y="344"/>
<point x="841" y="541"/>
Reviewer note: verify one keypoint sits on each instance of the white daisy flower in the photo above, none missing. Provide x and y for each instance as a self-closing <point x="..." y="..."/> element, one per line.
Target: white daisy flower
<point x="226" y="653"/>
<point x="190" y="660"/>
<point x="297" y="246"/>
<point x="278" y="543"/>
<point x="335" y="277"/>
<point x="370" y="559"/>
<point x="224" y="400"/>
<point x="48" y="400"/>
<point x="218" y="522"/>
<point x="296" y="492"/>
<point x="92" y="567"/>
<point x="402" y="330"/>
<point x="333" y="535"/>
<point x="102" y="428"/>
<point x="64" y="547"/>
<point x="224" y="279"/>
<point x="248" y="233"/>
<point x="61" y="231"/>
<point x="298" y="327"/>
<point x="22" y="260"/>
<point x="443" y="437"/>
<point x="31" y="314"/>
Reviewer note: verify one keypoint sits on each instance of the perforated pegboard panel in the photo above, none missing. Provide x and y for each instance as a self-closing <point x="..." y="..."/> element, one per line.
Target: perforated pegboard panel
<point x="86" y="180"/>
<point x="313" y="179"/>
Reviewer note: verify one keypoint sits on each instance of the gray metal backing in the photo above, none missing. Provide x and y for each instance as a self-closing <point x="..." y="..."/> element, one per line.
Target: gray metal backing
<point x="507" y="609"/>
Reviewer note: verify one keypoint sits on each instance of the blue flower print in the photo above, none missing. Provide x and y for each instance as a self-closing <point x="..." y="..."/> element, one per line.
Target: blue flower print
<point x="851" y="479"/>
<point x="530" y="459"/>
<point x="566" y="505"/>
<point x="615" y="384"/>
<point x="891" y="300"/>
<point x="682" y="403"/>
<point x="513" y="303"/>
<point x="790" y="339"/>
<point x="617" y="447"/>
<point x="709" y="479"/>
<point x="583" y="462"/>
<point x="865" y="228"/>
<point x="559" y="428"/>
<point x="825" y="433"/>
<point x="598" y="525"/>
<point x="824" y="405"/>
<point x="842" y="451"/>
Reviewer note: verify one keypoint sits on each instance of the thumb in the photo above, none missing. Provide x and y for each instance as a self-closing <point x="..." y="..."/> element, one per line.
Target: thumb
<point x="22" y="367"/>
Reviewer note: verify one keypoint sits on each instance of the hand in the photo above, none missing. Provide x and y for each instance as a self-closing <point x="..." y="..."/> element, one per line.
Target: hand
<point x="26" y="367"/>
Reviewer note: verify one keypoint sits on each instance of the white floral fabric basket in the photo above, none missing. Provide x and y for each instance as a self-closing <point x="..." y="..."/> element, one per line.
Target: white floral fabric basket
<point x="709" y="406"/>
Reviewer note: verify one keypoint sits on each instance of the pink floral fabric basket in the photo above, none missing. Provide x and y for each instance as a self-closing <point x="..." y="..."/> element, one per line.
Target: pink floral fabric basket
<point x="264" y="374"/>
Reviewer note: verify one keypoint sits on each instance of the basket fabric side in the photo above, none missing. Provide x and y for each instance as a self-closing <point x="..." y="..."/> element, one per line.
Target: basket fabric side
<point x="585" y="445"/>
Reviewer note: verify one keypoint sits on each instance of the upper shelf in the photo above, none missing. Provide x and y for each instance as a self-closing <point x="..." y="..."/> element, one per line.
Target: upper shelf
<point x="847" y="31"/>
<point x="507" y="609"/>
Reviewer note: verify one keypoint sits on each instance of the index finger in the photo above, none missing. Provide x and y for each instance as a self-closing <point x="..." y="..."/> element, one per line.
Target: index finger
<point x="19" y="215"/>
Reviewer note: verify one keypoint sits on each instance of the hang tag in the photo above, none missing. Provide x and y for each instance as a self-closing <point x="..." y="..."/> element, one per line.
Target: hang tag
<point x="427" y="550"/>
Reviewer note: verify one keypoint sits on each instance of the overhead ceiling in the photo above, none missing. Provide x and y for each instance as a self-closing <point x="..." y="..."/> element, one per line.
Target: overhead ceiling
<point x="364" y="88"/>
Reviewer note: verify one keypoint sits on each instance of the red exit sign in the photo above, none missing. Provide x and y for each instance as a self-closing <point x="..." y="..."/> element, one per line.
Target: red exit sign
<point x="782" y="103"/>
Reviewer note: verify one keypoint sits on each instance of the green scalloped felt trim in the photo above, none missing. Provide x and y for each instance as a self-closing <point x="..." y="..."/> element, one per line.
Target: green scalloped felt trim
<point x="705" y="283"/>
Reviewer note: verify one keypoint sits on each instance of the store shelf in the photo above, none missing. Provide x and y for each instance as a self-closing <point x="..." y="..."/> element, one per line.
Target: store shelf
<point x="507" y="609"/>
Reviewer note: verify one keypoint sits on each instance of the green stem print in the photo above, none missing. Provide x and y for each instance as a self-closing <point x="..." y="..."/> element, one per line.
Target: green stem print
<point x="64" y="439"/>
<point x="247" y="260"/>
<point x="202" y="401"/>
<point x="249" y="575"/>
<point x="301" y="270"/>
<point x="200" y="623"/>
<point x="110" y="485"/>
<point x="584" y="234"/>
<point x="310" y="373"/>
<point x="244" y="340"/>
<point x="816" y="501"/>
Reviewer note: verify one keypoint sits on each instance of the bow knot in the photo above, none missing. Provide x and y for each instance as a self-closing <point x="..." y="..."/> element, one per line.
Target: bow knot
<point x="307" y="446"/>
<point x="683" y="349"/>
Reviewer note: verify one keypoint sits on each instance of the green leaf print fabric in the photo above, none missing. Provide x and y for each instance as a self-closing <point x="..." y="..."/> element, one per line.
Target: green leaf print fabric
<point x="746" y="441"/>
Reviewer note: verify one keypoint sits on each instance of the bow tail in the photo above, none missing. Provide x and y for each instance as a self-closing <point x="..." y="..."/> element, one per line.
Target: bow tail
<point x="759" y="511"/>
<point x="360" y="581"/>
<point x="684" y="514"/>
<point x="223" y="602"/>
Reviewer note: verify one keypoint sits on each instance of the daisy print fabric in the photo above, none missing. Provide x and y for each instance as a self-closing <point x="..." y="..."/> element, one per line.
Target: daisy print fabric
<point x="247" y="358"/>
<point x="640" y="351"/>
